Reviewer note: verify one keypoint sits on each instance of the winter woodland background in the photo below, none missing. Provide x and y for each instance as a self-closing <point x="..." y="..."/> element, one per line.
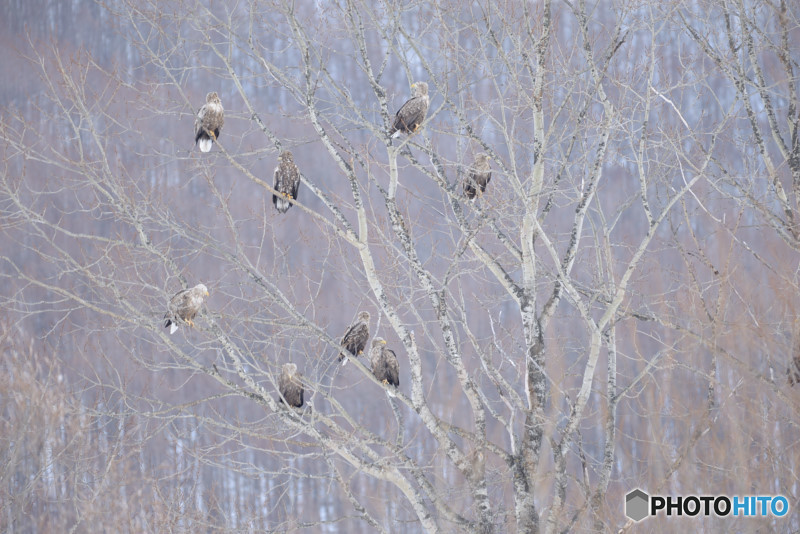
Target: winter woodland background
<point x="617" y="311"/>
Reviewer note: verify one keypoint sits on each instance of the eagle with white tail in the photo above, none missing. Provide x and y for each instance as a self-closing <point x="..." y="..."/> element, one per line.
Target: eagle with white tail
<point x="410" y="116"/>
<point x="209" y="122"/>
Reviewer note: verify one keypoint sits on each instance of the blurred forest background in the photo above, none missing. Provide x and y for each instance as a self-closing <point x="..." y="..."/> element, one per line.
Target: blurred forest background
<point x="618" y="310"/>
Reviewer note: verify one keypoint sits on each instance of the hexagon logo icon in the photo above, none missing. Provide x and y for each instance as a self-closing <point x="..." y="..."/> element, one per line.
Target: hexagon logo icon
<point x="636" y="504"/>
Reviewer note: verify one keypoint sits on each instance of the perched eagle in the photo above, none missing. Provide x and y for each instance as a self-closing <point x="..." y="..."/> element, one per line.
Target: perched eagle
<point x="355" y="339"/>
<point x="410" y="116"/>
<point x="291" y="386"/>
<point x="478" y="177"/>
<point x="287" y="182"/>
<point x="209" y="122"/>
<point x="384" y="364"/>
<point x="793" y="371"/>
<point x="184" y="305"/>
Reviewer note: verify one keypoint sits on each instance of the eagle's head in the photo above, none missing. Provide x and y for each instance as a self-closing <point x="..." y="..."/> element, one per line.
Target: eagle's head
<point x="202" y="289"/>
<point x="286" y="156"/>
<point x="364" y="316"/>
<point x="213" y="98"/>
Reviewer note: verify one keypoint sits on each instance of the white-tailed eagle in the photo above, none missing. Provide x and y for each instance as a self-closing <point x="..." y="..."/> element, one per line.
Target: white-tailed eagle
<point x="287" y="182"/>
<point x="184" y="306"/>
<point x="793" y="371"/>
<point x="478" y="177"/>
<point x="384" y="364"/>
<point x="291" y="386"/>
<point x="209" y="122"/>
<point x="411" y="114"/>
<point x="355" y="339"/>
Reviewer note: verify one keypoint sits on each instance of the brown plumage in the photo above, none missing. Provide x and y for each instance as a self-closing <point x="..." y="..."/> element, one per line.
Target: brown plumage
<point x="411" y="114"/>
<point x="184" y="306"/>
<point x="793" y="371"/>
<point x="287" y="182"/>
<point x="355" y="339"/>
<point x="290" y="385"/>
<point x="384" y="363"/>
<point x="208" y="122"/>
<point x="478" y="177"/>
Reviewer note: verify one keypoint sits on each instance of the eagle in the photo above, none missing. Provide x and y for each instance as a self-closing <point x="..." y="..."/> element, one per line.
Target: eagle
<point x="209" y="122"/>
<point x="411" y="114"/>
<point x="384" y="364"/>
<point x="290" y="385"/>
<point x="355" y="339"/>
<point x="793" y="371"/>
<point x="287" y="182"/>
<point x="184" y="305"/>
<point x="478" y="177"/>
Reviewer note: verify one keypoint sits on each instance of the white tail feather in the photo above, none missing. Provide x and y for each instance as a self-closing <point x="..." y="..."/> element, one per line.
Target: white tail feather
<point x="390" y="391"/>
<point x="282" y="204"/>
<point x="204" y="144"/>
<point x="344" y="362"/>
<point x="173" y="328"/>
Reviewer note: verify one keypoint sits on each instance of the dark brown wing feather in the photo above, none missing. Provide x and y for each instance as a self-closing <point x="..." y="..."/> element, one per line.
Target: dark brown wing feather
<point x="470" y="188"/>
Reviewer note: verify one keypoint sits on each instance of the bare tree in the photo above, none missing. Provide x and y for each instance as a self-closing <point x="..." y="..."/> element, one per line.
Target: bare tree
<point x="615" y="311"/>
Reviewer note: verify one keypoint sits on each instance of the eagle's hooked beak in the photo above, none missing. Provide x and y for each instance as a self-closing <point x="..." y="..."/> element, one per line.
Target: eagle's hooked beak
<point x="383" y="342"/>
<point x="207" y="292"/>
